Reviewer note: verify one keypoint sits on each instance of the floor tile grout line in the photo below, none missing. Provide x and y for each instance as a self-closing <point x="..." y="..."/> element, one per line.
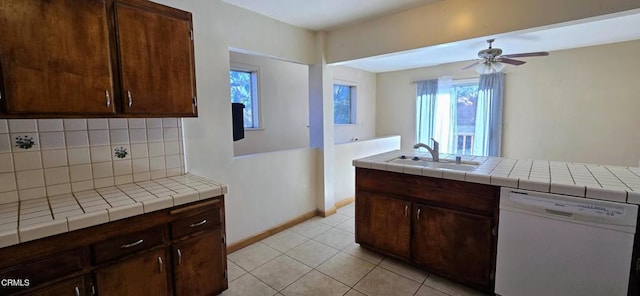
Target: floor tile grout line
<point x="287" y="286"/>
<point x="280" y="253"/>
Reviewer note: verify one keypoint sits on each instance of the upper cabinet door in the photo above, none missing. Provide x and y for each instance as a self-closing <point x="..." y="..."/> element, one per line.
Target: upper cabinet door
<point x="156" y="60"/>
<point x="55" y="58"/>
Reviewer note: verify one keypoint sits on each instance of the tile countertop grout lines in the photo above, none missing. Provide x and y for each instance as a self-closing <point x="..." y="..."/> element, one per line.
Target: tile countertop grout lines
<point x="612" y="183"/>
<point x="47" y="216"/>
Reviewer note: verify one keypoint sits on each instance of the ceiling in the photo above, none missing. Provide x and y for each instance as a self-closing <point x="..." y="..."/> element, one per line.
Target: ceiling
<point x="327" y="14"/>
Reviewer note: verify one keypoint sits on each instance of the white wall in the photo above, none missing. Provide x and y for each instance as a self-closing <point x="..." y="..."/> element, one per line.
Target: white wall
<point x="574" y="105"/>
<point x="267" y="189"/>
<point x="283" y="94"/>
<point x="345" y="174"/>
<point x="365" y="83"/>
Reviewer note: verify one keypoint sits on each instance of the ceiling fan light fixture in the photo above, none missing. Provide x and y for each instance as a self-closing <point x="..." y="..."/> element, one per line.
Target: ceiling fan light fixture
<point x="490" y="68"/>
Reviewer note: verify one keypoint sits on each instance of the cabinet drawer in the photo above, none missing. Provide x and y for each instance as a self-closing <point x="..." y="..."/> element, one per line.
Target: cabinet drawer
<point x="198" y="222"/>
<point x="394" y="183"/>
<point x="478" y="198"/>
<point x="126" y="244"/>
<point x="39" y="271"/>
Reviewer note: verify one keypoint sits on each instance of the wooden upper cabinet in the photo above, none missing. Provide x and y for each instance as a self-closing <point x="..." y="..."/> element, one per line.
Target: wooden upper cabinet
<point x="55" y="58"/>
<point x="155" y="50"/>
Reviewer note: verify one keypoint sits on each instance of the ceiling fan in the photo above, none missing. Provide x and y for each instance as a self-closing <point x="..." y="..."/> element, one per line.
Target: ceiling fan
<point x="492" y="60"/>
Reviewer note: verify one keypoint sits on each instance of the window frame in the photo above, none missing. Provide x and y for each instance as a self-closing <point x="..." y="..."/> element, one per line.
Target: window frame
<point x="255" y="93"/>
<point x="353" y="103"/>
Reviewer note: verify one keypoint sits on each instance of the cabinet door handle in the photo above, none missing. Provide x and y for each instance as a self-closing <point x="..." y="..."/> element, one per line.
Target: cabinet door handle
<point x="203" y="222"/>
<point x="418" y="215"/>
<point x="93" y="289"/>
<point x="179" y="256"/>
<point x="77" y="291"/>
<point x="133" y="244"/>
<point x="406" y="211"/>
<point x="160" y="265"/>
<point x="130" y="99"/>
<point x="106" y="93"/>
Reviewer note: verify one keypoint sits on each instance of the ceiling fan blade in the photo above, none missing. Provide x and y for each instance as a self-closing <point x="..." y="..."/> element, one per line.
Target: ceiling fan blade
<point x="527" y="54"/>
<point x="510" y="61"/>
<point x="467" y="67"/>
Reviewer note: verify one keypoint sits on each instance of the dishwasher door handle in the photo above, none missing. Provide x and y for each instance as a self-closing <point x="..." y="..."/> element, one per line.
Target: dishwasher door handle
<point x="558" y="213"/>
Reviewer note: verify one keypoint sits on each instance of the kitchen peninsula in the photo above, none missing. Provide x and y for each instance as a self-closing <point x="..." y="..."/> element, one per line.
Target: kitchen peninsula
<point x="444" y="216"/>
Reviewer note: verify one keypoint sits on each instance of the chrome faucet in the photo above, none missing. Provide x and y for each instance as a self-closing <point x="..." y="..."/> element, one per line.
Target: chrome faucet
<point x="435" y="151"/>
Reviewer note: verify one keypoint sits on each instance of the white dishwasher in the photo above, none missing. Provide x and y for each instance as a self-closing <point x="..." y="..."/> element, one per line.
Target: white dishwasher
<point x="551" y="244"/>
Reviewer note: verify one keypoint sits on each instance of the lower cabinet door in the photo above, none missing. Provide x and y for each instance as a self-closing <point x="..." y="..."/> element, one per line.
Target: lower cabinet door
<point x="199" y="265"/>
<point x="455" y="243"/>
<point x="384" y="223"/>
<point x="145" y="274"/>
<point x="76" y="286"/>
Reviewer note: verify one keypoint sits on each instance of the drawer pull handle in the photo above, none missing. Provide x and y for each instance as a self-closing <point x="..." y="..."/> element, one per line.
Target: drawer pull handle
<point x="203" y="222"/>
<point x="160" y="264"/>
<point x="179" y="257"/>
<point x="133" y="244"/>
<point x="406" y="211"/>
<point x="77" y="291"/>
<point x="418" y="214"/>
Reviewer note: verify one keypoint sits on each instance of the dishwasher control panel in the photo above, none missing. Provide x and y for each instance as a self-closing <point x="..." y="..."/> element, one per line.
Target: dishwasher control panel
<point x="569" y="207"/>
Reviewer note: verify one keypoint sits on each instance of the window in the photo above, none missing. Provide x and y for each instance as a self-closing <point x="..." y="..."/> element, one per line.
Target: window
<point x="244" y="89"/>
<point x="466" y="98"/>
<point x="344" y="107"/>
<point x="464" y="116"/>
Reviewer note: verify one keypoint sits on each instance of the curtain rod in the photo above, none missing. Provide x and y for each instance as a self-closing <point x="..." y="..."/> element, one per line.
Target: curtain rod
<point x="472" y="77"/>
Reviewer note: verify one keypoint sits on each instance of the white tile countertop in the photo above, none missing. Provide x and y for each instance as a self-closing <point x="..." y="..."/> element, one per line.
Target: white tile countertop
<point x="612" y="183"/>
<point x="32" y="219"/>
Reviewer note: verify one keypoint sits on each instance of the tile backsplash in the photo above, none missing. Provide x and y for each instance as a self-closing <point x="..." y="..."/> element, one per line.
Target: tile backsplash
<point x="48" y="157"/>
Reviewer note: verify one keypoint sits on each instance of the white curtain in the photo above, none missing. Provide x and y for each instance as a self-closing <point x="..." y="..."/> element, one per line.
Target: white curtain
<point x="488" y="129"/>
<point x="436" y="113"/>
<point x="426" y="106"/>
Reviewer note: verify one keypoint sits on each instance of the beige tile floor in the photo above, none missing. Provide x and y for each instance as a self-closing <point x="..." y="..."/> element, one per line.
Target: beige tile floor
<point x="320" y="257"/>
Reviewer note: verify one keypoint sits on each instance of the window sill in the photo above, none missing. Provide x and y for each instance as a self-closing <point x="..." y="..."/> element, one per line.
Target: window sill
<point x="253" y="129"/>
<point x="345" y="124"/>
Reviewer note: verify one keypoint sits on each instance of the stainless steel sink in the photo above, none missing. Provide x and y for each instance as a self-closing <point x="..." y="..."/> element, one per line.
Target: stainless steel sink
<point x="444" y="164"/>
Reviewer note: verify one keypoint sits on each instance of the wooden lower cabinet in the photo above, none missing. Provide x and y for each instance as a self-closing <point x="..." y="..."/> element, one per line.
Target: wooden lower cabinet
<point x="75" y="286"/>
<point x="177" y="251"/>
<point x="199" y="268"/>
<point x="383" y="222"/>
<point x="141" y="275"/>
<point x="444" y="226"/>
<point x="454" y="243"/>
